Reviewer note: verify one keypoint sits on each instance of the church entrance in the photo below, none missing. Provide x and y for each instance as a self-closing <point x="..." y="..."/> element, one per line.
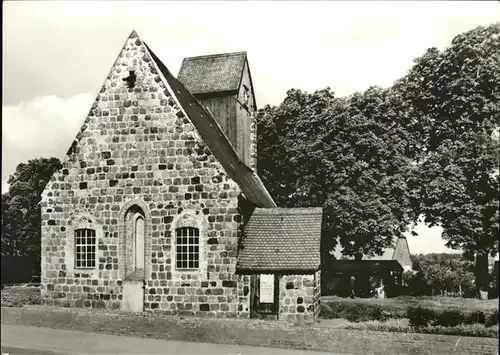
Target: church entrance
<point x="264" y="296"/>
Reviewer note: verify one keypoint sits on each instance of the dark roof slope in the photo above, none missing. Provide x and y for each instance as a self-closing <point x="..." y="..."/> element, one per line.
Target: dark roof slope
<point x="281" y="239"/>
<point x="387" y="253"/>
<point x="212" y="73"/>
<point x="218" y="143"/>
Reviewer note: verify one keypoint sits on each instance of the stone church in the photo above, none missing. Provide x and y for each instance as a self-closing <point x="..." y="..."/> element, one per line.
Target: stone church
<point x="158" y="206"/>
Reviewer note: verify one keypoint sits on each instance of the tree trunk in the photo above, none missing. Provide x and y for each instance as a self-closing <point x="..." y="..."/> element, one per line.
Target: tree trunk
<point x="482" y="275"/>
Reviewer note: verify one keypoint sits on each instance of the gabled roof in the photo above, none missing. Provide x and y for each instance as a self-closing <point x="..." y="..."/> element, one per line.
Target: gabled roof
<point x="215" y="139"/>
<point x="212" y="73"/>
<point x="281" y="239"/>
<point x="387" y="254"/>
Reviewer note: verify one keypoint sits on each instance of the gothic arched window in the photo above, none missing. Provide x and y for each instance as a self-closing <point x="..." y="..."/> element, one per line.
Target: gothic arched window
<point x="134" y="239"/>
<point x="139" y="241"/>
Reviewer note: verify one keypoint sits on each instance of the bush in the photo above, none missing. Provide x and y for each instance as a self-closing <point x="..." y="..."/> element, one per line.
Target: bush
<point x="421" y="312"/>
<point x="450" y="318"/>
<point x="420" y="316"/>
<point x="400" y="325"/>
<point x="19" y="296"/>
<point x="471" y="330"/>
<point x="403" y="326"/>
<point x="492" y="319"/>
<point x="475" y="317"/>
<point x="426" y="316"/>
<point x="359" y="312"/>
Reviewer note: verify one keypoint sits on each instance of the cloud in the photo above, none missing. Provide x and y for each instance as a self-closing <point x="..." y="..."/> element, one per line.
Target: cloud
<point x="42" y="127"/>
<point x="304" y="45"/>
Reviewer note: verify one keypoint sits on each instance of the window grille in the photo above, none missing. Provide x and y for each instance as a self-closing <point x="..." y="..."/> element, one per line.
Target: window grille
<point x="188" y="248"/>
<point x="85" y="243"/>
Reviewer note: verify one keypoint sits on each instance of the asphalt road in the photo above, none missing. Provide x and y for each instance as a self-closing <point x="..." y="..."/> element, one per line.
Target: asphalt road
<point x="33" y="340"/>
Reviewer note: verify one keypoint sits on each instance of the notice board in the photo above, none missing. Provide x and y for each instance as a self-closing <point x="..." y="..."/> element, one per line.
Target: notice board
<point x="266" y="288"/>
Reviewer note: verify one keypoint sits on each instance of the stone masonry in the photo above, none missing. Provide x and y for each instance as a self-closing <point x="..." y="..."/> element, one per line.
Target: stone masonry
<point x="317" y="293"/>
<point x="298" y="298"/>
<point x="244" y="296"/>
<point x="137" y="149"/>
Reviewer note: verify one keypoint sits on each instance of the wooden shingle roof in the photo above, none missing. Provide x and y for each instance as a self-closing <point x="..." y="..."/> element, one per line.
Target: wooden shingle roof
<point x="212" y="73"/>
<point x="281" y="239"/>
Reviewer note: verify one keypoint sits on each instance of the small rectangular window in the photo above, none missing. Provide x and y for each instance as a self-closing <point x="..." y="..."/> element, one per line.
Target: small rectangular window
<point x="85" y="242"/>
<point x="246" y="95"/>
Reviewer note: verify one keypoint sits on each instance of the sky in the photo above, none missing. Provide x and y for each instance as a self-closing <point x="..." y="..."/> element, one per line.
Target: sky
<point x="57" y="54"/>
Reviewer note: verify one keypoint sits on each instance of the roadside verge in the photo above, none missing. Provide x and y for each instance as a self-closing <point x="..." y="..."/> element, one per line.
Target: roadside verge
<point x="246" y="332"/>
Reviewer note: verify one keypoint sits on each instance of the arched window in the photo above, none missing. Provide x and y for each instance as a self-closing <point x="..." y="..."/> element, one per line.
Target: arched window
<point x="187" y="248"/>
<point x="139" y="241"/>
<point x="134" y="239"/>
<point x="85" y="243"/>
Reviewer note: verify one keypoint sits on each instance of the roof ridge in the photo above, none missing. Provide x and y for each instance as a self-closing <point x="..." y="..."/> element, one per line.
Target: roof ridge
<point x="230" y="54"/>
<point x="291" y="210"/>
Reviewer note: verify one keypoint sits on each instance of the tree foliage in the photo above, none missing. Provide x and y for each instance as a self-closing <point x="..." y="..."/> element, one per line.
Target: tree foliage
<point x="453" y="98"/>
<point x="435" y="274"/>
<point x="379" y="159"/>
<point x="348" y="155"/>
<point x="21" y="220"/>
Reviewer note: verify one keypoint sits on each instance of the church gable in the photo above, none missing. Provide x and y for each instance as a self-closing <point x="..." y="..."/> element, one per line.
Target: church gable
<point x="246" y="94"/>
<point x="140" y="101"/>
<point x="136" y="145"/>
<point x="402" y="253"/>
<point x="135" y="129"/>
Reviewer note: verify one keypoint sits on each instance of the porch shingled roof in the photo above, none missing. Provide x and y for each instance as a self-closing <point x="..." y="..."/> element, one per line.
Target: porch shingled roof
<point x="281" y="239"/>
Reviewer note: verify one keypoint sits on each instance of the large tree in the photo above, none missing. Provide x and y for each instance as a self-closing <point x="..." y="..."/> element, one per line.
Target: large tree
<point x="348" y="155"/>
<point x="21" y="220"/>
<point x="453" y="98"/>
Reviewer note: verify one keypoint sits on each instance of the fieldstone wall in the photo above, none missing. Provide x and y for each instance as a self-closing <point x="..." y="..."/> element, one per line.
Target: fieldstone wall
<point x="317" y="293"/>
<point x="297" y="298"/>
<point x="244" y="296"/>
<point x="136" y="147"/>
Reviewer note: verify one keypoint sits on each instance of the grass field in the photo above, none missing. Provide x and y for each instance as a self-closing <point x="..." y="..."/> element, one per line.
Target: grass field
<point x="436" y="302"/>
<point x="387" y="315"/>
<point x="437" y="315"/>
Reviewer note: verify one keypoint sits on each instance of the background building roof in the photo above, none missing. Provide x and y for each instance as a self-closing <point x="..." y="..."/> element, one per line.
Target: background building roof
<point x="387" y="254"/>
